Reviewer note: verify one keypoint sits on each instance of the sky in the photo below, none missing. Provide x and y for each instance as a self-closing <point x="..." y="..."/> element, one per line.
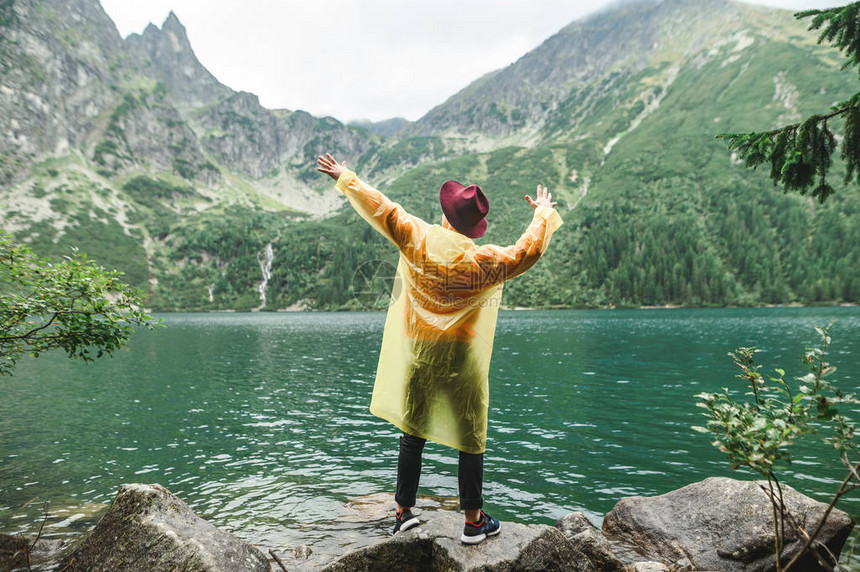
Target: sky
<point x="363" y="59"/>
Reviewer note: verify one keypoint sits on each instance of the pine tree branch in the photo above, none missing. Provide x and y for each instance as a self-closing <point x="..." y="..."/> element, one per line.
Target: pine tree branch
<point x="800" y="154"/>
<point x="794" y="126"/>
<point x="840" y="29"/>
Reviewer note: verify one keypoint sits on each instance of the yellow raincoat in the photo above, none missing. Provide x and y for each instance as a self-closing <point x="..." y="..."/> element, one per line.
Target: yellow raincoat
<point x="432" y="378"/>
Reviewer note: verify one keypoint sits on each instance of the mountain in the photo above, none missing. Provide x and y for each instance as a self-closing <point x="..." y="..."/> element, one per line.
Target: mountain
<point x="105" y="142"/>
<point x="189" y="84"/>
<point x="618" y="113"/>
<point x="131" y="150"/>
<point x="52" y="95"/>
<point x="144" y="104"/>
<point x="385" y="128"/>
<point x="587" y="60"/>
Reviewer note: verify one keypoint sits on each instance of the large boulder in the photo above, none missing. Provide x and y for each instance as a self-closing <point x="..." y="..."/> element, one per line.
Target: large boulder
<point x="147" y="528"/>
<point x="721" y="524"/>
<point x="589" y="540"/>
<point x="435" y="546"/>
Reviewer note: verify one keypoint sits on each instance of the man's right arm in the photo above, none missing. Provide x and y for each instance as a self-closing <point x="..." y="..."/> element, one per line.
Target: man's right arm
<point x="388" y="218"/>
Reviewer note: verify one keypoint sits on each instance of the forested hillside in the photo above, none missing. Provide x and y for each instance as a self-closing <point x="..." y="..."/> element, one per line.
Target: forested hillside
<point x="208" y="201"/>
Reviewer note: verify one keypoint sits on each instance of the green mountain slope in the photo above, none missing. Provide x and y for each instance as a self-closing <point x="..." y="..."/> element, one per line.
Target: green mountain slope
<point x="210" y="202"/>
<point x="663" y="213"/>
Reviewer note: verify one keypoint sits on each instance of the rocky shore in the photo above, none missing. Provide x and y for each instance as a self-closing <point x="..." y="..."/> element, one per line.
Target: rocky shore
<point x="718" y="524"/>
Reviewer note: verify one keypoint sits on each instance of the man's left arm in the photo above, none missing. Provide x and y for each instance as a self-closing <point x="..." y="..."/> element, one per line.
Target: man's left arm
<point x="504" y="263"/>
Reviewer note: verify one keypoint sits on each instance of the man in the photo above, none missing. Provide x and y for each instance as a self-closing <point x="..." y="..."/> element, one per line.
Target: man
<point x="432" y="377"/>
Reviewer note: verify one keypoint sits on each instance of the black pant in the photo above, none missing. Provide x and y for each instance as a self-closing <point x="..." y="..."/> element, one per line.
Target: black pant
<point x="470" y="474"/>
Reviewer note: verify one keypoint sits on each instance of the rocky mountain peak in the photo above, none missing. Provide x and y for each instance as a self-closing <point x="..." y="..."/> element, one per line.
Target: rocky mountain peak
<point x="175" y="33"/>
<point x="172" y="23"/>
<point x="190" y="84"/>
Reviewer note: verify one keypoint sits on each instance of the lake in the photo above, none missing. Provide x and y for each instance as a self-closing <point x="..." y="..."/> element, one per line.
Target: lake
<point x="260" y="422"/>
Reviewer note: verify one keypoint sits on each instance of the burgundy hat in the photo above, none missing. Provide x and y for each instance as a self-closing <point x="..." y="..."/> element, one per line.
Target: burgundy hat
<point x="465" y="208"/>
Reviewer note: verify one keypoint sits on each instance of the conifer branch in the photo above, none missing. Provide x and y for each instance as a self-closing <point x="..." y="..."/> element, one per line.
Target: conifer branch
<point x="840" y="29"/>
<point x="800" y="154"/>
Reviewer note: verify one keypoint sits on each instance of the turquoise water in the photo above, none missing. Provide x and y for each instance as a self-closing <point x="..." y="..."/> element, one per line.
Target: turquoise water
<point x="260" y="421"/>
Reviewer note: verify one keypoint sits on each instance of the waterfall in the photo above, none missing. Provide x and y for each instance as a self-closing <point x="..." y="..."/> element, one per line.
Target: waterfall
<point x="266" y="269"/>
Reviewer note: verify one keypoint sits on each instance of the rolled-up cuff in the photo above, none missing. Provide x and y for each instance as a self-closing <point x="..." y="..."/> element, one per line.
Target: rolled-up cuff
<point x="405" y="501"/>
<point x="553" y="220"/>
<point x="471" y="504"/>
<point x="344" y="180"/>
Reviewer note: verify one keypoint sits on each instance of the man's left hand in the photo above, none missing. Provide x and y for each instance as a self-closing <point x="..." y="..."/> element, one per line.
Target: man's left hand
<point x="544" y="198"/>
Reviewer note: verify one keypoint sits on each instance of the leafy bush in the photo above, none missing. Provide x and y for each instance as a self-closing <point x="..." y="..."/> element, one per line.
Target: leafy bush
<point x="75" y="306"/>
<point x="757" y="433"/>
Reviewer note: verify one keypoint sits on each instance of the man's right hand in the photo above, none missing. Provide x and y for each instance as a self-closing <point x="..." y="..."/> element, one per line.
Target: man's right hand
<point x="544" y="198"/>
<point x="330" y="166"/>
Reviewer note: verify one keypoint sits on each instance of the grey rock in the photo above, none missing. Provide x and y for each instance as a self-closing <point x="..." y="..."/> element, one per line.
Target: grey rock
<point x="190" y="84"/>
<point x="57" y="63"/>
<point x="302" y="552"/>
<point x="648" y="567"/>
<point x="590" y="541"/>
<point x="246" y="137"/>
<point x="435" y="545"/>
<point x="148" y="528"/>
<point x="575" y="523"/>
<point x="242" y="134"/>
<point x="720" y="524"/>
<point x="148" y="134"/>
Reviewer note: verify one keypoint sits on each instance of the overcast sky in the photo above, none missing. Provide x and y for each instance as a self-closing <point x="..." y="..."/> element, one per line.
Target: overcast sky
<point x="362" y="59"/>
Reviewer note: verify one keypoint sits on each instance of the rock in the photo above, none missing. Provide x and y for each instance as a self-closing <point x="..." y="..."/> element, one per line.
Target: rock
<point x="148" y="528"/>
<point x="648" y="567"/>
<point x="302" y="552"/>
<point x="720" y="524"/>
<point x="589" y="540"/>
<point x="189" y="83"/>
<point x="435" y="545"/>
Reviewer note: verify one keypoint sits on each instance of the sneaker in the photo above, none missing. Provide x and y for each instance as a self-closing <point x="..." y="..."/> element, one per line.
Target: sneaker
<point x="477" y="532"/>
<point x="405" y="520"/>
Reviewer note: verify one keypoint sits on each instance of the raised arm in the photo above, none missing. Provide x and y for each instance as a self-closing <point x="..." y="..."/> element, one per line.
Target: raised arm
<point x="503" y="263"/>
<point x="387" y="217"/>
